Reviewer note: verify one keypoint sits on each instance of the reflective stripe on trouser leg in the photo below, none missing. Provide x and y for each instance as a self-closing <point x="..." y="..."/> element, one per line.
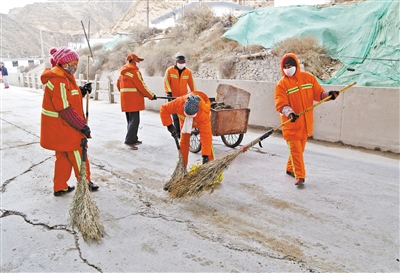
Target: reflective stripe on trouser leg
<point x="295" y="161"/>
<point x="78" y="162"/>
<point x="65" y="161"/>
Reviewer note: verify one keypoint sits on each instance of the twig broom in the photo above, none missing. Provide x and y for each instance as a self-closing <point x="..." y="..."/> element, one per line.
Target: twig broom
<point x="84" y="212"/>
<point x="203" y="178"/>
<point x="180" y="169"/>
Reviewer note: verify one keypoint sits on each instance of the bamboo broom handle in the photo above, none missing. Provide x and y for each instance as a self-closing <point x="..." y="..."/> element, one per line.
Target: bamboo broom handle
<point x="87" y="95"/>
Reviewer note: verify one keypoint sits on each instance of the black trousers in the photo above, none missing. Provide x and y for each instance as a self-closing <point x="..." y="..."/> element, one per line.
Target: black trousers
<point x="175" y="118"/>
<point x="133" y="120"/>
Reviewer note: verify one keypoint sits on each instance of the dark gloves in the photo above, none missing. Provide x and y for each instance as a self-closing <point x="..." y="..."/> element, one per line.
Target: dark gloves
<point x="334" y="94"/>
<point x="87" y="88"/>
<point x="293" y="117"/>
<point x="169" y="94"/>
<point x="86" y="130"/>
<point x="154" y="97"/>
<point x="205" y="159"/>
<point x="172" y="130"/>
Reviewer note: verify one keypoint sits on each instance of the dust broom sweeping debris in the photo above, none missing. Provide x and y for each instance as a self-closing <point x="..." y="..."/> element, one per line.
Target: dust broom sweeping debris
<point x="202" y="179"/>
<point x="84" y="212"/>
<point x="180" y="169"/>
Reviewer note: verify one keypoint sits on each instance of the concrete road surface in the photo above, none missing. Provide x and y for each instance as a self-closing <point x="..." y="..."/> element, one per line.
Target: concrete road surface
<point x="345" y="218"/>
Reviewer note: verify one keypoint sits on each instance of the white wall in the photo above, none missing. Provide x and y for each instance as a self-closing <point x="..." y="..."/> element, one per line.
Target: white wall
<point x="361" y="116"/>
<point x="21" y="62"/>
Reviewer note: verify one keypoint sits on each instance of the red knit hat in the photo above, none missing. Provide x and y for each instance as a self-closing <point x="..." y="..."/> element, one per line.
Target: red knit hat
<point x="62" y="55"/>
<point x="134" y="57"/>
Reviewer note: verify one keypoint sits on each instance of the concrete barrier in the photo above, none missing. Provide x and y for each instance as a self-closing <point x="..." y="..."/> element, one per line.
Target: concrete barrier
<point x="361" y="116"/>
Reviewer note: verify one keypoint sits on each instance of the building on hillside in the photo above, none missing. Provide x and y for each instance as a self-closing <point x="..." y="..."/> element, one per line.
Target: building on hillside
<point x="13" y="64"/>
<point x="281" y="3"/>
<point x="219" y="8"/>
<point x="93" y="42"/>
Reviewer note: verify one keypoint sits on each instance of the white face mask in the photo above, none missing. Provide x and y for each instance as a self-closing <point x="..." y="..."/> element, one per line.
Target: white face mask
<point x="137" y="64"/>
<point x="290" y="71"/>
<point x="181" y="66"/>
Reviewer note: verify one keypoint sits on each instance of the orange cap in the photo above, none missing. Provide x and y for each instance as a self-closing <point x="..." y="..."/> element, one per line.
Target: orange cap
<point x="134" y="57"/>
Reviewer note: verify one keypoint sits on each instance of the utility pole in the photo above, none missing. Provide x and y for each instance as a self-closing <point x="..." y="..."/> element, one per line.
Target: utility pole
<point x="41" y="43"/>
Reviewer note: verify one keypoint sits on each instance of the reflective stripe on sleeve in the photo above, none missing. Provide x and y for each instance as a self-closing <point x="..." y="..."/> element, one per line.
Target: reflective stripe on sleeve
<point x="49" y="113"/>
<point x="50" y="85"/>
<point x="128" y="90"/>
<point x="167" y="85"/>
<point x="129" y="74"/>
<point x="74" y="92"/>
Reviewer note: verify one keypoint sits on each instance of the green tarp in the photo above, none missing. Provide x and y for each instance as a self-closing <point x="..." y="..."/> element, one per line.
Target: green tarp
<point x="364" y="36"/>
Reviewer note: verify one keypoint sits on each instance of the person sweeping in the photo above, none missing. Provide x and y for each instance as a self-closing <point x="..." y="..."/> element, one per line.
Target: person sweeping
<point x="295" y="92"/>
<point x="63" y="123"/>
<point x="193" y="110"/>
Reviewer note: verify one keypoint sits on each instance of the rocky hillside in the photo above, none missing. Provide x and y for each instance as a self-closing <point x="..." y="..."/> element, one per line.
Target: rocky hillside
<point x="58" y="23"/>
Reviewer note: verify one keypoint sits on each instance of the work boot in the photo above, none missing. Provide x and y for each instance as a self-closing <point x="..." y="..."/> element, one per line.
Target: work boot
<point x="138" y="142"/>
<point x="299" y="181"/>
<point x="290" y="173"/>
<point x="132" y="146"/>
<point x="93" y="186"/>
<point x="64" y="191"/>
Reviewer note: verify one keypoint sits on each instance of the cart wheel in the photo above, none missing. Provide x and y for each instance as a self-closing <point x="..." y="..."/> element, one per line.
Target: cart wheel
<point x="232" y="140"/>
<point x="195" y="145"/>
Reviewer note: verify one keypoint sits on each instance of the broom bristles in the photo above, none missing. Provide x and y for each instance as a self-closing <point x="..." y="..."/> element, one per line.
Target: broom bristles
<point x="84" y="212"/>
<point x="178" y="174"/>
<point x="203" y="178"/>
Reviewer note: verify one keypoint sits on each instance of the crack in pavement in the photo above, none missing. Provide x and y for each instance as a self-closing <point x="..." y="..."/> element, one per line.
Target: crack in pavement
<point x="146" y="212"/>
<point x="8" y="181"/>
<point x="18" y="146"/>
<point x="21" y="128"/>
<point x="6" y="213"/>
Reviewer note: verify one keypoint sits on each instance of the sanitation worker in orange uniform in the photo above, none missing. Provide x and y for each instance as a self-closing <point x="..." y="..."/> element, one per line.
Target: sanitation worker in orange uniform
<point x="177" y="79"/>
<point x="63" y="125"/>
<point x="193" y="110"/>
<point x="295" y="92"/>
<point x="133" y="90"/>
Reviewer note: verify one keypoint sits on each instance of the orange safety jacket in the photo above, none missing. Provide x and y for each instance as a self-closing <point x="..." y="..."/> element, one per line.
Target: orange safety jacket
<point x="299" y="92"/>
<point x="132" y="88"/>
<point x="60" y="92"/>
<point x="201" y="121"/>
<point x="176" y="84"/>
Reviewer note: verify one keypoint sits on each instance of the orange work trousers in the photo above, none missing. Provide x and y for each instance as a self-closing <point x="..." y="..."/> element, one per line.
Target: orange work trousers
<point x="295" y="162"/>
<point x="65" y="161"/>
<point x="184" y="145"/>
